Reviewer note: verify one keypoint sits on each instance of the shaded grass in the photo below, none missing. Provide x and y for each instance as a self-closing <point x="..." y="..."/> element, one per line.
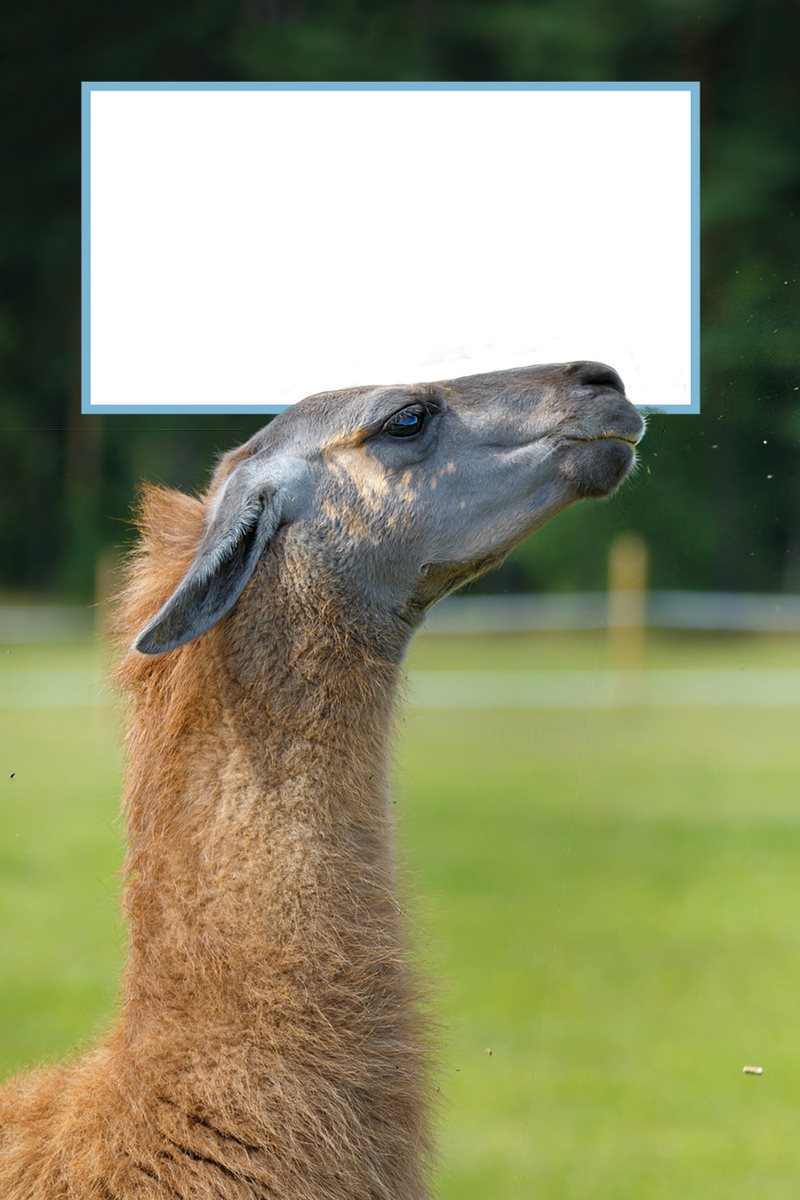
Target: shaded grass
<point x="608" y="899"/>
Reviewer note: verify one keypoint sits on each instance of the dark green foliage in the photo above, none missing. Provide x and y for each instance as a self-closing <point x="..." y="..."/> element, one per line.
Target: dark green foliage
<point x="718" y="506"/>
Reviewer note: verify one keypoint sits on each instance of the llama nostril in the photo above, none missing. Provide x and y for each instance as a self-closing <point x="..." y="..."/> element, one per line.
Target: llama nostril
<point x="595" y="374"/>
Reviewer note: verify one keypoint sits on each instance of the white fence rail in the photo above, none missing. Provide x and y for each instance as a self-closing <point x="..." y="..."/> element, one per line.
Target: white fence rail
<point x="718" y="612"/>
<point x="22" y="623"/>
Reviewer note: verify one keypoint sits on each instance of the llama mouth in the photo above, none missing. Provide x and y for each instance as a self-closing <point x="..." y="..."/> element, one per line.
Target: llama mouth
<point x="613" y="422"/>
<point x="629" y="438"/>
<point x="598" y="464"/>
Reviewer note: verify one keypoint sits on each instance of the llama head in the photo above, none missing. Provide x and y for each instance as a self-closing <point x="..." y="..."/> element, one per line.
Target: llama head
<point x="383" y="499"/>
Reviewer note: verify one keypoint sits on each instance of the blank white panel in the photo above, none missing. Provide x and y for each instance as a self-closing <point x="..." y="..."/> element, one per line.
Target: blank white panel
<point x="251" y="247"/>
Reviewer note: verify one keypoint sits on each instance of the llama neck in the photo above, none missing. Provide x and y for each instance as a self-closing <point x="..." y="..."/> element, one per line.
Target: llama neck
<point x="260" y="871"/>
<point x="267" y="981"/>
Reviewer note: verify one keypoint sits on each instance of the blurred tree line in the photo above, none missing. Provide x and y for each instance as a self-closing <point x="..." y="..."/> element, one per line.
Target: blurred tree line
<point x="716" y="495"/>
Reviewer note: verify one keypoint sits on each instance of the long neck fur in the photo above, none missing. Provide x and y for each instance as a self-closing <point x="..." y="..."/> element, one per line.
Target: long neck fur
<point x="266" y="983"/>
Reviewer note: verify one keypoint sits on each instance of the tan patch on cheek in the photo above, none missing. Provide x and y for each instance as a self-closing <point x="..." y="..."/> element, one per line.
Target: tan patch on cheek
<point x="330" y="510"/>
<point x="403" y="487"/>
<point x="448" y="469"/>
<point x="353" y="523"/>
<point x="347" y="518"/>
<point x="400" y="520"/>
<point x="367" y="476"/>
<point x="375" y="489"/>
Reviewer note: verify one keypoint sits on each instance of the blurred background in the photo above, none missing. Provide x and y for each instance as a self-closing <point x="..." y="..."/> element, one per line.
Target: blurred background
<point x="597" y="776"/>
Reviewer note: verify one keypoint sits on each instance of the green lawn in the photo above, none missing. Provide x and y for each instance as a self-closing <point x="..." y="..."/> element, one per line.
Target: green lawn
<point x="608" y="900"/>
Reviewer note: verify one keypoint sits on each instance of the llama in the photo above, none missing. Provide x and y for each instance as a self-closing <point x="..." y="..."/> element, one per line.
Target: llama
<point x="270" y="1041"/>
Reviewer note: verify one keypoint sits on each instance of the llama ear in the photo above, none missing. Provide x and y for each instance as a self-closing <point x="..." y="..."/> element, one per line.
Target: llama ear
<point x="241" y="523"/>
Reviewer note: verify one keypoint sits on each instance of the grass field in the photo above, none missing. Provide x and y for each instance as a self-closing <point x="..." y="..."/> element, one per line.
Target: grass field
<point x="608" y="899"/>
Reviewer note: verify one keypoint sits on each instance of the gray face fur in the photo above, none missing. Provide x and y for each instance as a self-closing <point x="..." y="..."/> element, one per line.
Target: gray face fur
<point x="386" y="523"/>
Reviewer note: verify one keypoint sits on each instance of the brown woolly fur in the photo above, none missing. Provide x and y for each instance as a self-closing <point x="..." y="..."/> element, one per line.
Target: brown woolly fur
<point x="268" y="1043"/>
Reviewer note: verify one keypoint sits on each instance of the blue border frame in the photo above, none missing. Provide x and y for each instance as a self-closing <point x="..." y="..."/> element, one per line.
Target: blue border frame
<point x="232" y="410"/>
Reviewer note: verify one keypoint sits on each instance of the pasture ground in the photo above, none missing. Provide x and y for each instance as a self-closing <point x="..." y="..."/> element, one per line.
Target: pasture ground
<point x="608" y="898"/>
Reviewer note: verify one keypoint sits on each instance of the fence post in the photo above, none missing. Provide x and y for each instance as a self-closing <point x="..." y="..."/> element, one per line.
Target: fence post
<point x="627" y="597"/>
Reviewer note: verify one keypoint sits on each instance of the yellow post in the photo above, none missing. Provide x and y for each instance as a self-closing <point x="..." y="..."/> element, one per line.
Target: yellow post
<point x="627" y="595"/>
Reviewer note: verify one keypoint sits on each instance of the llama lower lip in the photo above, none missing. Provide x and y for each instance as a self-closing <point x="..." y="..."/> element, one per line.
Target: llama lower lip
<point x="618" y="437"/>
<point x="608" y="437"/>
<point x="596" y="466"/>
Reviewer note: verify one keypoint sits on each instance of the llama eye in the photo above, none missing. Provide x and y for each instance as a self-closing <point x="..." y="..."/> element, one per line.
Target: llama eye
<point x="406" y="423"/>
